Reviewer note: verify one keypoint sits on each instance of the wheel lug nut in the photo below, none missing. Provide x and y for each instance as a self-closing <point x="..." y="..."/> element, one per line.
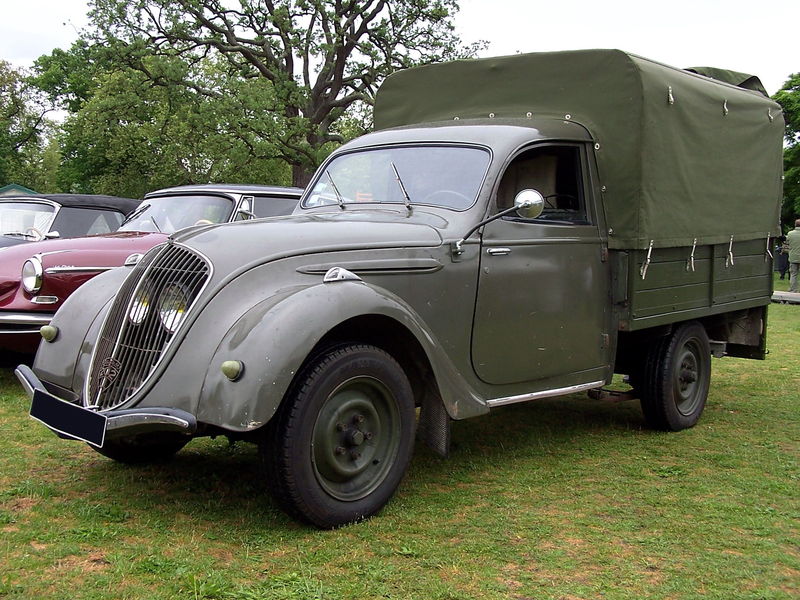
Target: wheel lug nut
<point x="355" y="454"/>
<point x="358" y="419"/>
<point x="339" y="450"/>
<point x="340" y="427"/>
<point x="368" y="435"/>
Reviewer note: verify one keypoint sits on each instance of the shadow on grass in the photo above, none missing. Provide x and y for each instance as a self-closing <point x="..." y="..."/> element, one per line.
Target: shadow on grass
<point x="212" y="482"/>
<point x="10" y="360"/>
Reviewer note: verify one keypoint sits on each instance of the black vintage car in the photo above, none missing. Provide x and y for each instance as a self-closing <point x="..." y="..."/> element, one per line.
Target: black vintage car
<point x="46" y="216"/>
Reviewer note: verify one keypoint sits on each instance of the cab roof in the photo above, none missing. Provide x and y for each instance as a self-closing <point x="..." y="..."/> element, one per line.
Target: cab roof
<point x="226" y="188"/>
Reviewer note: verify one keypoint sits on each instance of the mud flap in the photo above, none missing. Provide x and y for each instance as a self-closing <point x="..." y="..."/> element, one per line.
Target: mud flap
<point x="434" y="424"/>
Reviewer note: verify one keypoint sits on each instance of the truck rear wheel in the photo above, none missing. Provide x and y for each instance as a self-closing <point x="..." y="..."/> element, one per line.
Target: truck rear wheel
<point x="341" y="442"/>
<point x="676" y="377"/>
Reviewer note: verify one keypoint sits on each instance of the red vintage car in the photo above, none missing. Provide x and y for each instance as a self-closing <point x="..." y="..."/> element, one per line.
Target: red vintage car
<point x="25" y="219"/>
<point x="35" y="278"/>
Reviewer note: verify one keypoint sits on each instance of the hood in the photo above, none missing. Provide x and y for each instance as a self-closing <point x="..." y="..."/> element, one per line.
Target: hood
<point x="10" y="240"/>
<point x="108" y="250"/>
<point x="232" y="245"/>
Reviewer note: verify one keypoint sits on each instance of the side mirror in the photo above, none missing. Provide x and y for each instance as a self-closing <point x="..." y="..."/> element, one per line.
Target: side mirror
<point x="51" y="235"/>
<point x="529" y="204"/>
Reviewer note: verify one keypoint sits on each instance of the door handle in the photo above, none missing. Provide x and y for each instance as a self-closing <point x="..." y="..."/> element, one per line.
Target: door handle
<point x="498" y="251"/>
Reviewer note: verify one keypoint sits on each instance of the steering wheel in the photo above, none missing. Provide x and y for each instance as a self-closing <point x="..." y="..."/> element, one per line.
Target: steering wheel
<point x="32" y="231"/>
<point x="443" y="195"/>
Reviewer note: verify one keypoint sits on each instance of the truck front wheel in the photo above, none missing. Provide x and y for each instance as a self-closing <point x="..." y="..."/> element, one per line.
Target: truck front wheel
<point x="342" y="439"/>
<point x="676" y="377"/>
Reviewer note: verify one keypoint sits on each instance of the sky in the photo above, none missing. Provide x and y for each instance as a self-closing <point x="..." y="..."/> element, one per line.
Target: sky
<point x="753" y="37"/>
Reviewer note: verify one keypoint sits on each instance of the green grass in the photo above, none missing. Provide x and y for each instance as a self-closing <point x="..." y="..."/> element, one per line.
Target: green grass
<point x="566" y="498"/>
<point x="781" y="285"/>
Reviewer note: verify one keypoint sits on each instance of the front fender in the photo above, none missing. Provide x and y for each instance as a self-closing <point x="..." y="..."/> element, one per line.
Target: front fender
<point x="275" y="337"/>
<point x="65" y="361"/>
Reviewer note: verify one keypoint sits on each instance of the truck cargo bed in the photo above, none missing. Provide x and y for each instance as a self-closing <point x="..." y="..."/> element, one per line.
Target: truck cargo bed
<point x="670" y="290"/>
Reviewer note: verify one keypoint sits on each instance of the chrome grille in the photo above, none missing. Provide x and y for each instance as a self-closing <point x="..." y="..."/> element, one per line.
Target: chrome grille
<point x="144" y="318"/>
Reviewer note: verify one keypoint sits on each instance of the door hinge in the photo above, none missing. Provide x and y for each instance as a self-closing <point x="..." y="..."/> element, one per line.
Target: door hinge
<point x="604" y="253"/>
<point x="605" y="340"/>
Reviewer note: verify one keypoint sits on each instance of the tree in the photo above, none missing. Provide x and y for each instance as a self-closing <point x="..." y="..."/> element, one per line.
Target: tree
<point x="789" y="99"/>
<point x="131" y="134"/>
<point x="322" y="58"/>
<point x="132" y="127"/>
<point x="22" y="125"/>
<point x="70" y="77"/>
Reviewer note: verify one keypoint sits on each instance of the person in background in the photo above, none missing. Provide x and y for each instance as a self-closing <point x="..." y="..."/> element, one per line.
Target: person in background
<point x="782" y="256"/>
<point x="793" y="239"/>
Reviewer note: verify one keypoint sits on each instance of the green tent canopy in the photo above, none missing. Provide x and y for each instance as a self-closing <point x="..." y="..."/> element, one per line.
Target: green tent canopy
<point x="682" y="155"/>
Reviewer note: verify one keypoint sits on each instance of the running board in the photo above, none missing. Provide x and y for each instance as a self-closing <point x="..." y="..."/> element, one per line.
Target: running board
<point x="572" y="389"/>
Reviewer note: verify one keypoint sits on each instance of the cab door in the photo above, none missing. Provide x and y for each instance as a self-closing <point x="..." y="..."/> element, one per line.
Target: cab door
<point x="543" y="294"/>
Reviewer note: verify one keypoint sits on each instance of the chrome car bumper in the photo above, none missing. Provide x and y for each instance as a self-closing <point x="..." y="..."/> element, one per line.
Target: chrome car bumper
<point x="23" y="322"/>
<point x="71" y="421"/>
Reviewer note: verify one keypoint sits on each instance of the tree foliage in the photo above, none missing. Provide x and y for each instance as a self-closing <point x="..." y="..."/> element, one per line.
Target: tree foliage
<point x="789" y="99"/>
<point x="132" y="128"/>
<point x="321" y="58"/>
<point x="23" y="124"/>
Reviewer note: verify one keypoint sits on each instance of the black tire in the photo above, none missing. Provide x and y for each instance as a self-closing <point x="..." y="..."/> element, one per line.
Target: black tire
<point x="676" y="376"/>
<point x="341" y="442"/>
<point x="143" y="449"/>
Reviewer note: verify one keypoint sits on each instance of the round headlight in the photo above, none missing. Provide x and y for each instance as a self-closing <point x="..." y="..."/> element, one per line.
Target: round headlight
<point x="172" y="306"/>
<point x="32" y="274"/>
<point x="139" y="307"/>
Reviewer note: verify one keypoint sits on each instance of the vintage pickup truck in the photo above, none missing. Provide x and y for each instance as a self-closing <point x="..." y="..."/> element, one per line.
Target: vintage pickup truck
<point x="517" y="228"/>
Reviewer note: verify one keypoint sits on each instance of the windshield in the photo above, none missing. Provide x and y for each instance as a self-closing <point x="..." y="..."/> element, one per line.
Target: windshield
<point x="168" y="214"/>
<point x="445" y="176"/>
<point x="25" y="219"/>
<point x="77" y="222"/>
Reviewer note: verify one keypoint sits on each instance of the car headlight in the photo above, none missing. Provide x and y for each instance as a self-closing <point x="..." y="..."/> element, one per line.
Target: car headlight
<point x="32" y="275"/>
<point x="139" y="307"/>
<point x="173" y="302"/>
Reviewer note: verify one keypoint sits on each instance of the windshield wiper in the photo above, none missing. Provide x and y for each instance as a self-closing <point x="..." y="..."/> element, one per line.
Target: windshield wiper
<point x="135" y="214"/>
<point x="402" y="187"/>
<point x="18" y="234"/>
<point x="339" y="198"/>
<point x="153" y="219"/>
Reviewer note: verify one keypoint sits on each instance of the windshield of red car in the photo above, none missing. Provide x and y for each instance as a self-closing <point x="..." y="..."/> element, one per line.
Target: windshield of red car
<point x="168" y="214"/>
<point x="77" y="222"/>
<point x="26" y="219"/>
<point x="446" y="176"/>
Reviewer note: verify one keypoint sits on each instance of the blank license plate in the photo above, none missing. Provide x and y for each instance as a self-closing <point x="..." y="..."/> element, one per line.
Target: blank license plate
<point x="69" y="420"/>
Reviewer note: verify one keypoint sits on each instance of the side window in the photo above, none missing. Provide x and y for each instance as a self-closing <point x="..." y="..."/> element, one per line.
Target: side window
<point x="266" y="206"/>
<point x="554" y="171"/>
<point x="106" y="222"/>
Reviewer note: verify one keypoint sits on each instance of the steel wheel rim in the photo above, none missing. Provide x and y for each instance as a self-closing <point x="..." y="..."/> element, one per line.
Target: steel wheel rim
<point x="356" y="438"/>
<point x="688" y="378"/>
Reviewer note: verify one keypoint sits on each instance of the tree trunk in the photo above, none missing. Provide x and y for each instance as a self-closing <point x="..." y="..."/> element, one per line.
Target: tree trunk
<point x="301" y="176"/>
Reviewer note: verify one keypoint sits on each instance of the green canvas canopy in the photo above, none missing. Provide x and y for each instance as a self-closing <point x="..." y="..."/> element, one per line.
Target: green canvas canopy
<point x="742" y="80"/>
<point x="682" y="156"/>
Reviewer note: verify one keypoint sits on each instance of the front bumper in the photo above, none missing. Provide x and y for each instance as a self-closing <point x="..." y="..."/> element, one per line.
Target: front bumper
<point x="73" y="422"/>
<point x="20" y="322"/>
